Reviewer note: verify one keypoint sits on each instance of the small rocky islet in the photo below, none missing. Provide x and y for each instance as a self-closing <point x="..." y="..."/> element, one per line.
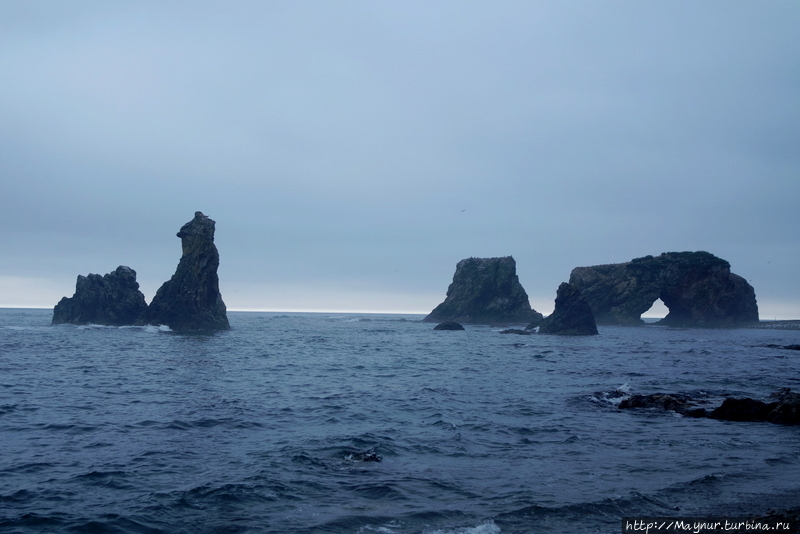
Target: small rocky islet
<point x="781" y="407"/>
<point x="485" y="291"/>
<point x="189" y="301"/>
<point x="698" y="288"/>
<point x="113" y="299"/>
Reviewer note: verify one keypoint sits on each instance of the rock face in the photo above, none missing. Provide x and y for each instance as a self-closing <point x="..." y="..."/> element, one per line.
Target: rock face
<point x="697" y="287"/>
<point x="572" y="315"/>
<point x="485" y="291"/>
<point x="113" y="299"/>
<point x="191" y="300"/>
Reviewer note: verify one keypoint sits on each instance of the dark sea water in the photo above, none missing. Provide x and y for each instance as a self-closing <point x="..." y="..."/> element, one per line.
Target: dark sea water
<point x="269" y="428"/>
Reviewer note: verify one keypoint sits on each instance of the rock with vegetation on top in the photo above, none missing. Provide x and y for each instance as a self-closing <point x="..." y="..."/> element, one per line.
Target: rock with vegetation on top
<point x="113" y="299"/>
<point x="572" y="315"/>
<point x="485" y="291"/>
<point x="191" y="300"/>
<point x="697" y="287"/>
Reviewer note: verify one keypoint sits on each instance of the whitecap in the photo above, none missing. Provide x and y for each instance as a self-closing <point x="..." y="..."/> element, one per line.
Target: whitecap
<point x="92" y="326"/>
<point x="154" y="329"/>
<point x="484" y="528"/>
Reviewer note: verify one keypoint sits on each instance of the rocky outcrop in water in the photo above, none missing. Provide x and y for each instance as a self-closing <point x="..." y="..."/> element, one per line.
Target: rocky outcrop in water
<point x="191" y="300"/>
<point x="485" y="291"/>
<point x="572" y="315"/>
<point x="113" y="299"/>
<point x="449" y="325"/>
<point x="697" y="287"/>
<point x="782" y="407"/>
<point x="682" y="404"/>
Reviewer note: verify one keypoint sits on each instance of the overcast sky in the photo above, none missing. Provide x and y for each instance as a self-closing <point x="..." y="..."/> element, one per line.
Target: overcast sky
<point x="352" y="152"/>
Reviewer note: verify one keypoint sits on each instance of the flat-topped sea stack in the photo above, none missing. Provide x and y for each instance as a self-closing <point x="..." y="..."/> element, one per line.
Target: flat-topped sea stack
<point x="113" y="299"/>
<point x="191" y="300"/>
<point x="485" y="291"/>
<point x="698" y="288"/>
<point x="572" y="315"/>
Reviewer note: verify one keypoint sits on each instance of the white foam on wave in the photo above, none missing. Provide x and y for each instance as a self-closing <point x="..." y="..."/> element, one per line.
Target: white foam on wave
<point x="383" y="529"/>
<point x="92" y="326"/>
<point x="612" y="398"/>
<point x="485" y="528"/>
<point x="153" y="329"/>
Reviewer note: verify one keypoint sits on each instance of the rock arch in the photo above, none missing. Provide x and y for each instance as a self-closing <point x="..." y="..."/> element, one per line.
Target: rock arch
<point x="698" y="288"/>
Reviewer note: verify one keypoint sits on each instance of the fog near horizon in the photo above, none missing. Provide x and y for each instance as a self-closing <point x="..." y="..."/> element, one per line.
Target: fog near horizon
<point x="352" y="153"/>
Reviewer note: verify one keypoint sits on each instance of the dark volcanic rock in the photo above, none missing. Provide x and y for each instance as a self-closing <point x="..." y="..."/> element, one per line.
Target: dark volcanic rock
<point x="113" y="299"/>
<point x="191" y="300"/>
<point x="485" y="291"/>
<point x="448" y="325"/>
<point x="746" y="409"/>
<point x="783" y="407"/>
<point x="572" y="315"/>
<point x="697" y="287"/>
<point x="786" y="409"/>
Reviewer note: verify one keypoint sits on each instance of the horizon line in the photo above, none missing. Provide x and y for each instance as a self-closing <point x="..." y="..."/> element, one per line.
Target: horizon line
<point x="374" y="312"/>
<point x="255" y="310"/>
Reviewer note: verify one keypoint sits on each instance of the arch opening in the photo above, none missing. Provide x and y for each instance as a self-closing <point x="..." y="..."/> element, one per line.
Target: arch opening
<point x="657" y="311"/>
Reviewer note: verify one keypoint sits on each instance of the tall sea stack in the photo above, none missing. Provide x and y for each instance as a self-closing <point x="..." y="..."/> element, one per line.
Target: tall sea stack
<point x="485" y="291"/>
<point x="191" y="300"/>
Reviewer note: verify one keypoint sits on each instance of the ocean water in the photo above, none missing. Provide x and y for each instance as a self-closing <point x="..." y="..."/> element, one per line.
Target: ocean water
<point x="275" y="426"/>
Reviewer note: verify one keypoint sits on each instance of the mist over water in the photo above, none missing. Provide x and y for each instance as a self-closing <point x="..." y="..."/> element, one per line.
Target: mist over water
<point x="277" y="425"/>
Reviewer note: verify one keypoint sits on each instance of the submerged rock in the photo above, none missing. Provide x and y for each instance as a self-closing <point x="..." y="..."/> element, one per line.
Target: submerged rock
<point x="363" y="456"/>
<point x="572" y="315"/>
<point x="697" y="287"/>
<point x="448" y="325"/>
<point x="674" y="402"/>
<point x="485" y="291"/>
<point x="191" y="300"/>
<point x="517" y="331"/>
<point x="783" y="408"/>
<point x="746" y="409"/>
<point x="113" y="299"/>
